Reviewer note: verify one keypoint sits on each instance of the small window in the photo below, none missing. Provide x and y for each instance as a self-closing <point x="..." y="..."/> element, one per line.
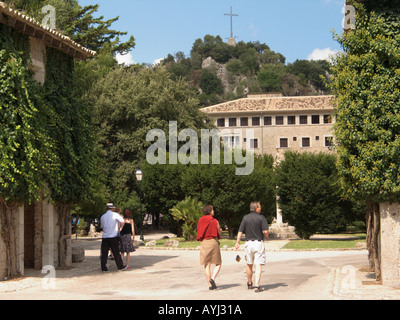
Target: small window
<point x="291" y="120"/>
<point x="283" y="143"/>
<point x="221" y="123"/>
<point x="244" y="122"/>
<point x="327" y="119"/>
<point x="295" y="139"/>
<point x="279" y="121"/>
<point x="317" y="138"/>
<point x="328" y="141"/>
<point x="267" y="121"/>
<point x="303" y="120"/>
<point x="232" y="122"/>
<point x="256" y="121"/>
<point x="315" y="119"/>
<point x="254" y="143"/>
<point x="305" y="143"/>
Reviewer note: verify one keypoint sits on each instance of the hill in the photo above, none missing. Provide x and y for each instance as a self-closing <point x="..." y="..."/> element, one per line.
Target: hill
<point x="221" y="72"/>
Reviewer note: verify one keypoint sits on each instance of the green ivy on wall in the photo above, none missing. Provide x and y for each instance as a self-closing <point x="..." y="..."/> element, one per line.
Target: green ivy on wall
<point x="26" y="154"/>
<point x="71" y="130"/>
<point x="45" y="136"/>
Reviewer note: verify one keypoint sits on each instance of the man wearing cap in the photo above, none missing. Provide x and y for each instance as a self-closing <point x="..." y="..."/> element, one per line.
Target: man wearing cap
<point x="111" y="222"/>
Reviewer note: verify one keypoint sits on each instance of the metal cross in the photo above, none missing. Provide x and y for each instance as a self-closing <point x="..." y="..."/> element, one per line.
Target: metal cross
<point x="231" y="15"/>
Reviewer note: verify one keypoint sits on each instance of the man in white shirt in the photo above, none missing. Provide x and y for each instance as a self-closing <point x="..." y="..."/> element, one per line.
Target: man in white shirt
<point x="111" y="222"/>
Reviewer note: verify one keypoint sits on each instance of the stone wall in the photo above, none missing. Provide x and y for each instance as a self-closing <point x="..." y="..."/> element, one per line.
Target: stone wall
<point x="3" y="257"/>
<point x="390" y="243"/>
<point x="38" y="55"/>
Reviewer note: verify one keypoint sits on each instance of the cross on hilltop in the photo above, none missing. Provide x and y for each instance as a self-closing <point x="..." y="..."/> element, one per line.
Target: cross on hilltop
<point x="232" y="38"/>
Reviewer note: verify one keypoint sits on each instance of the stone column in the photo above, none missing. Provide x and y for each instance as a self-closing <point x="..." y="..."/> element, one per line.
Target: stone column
<point x="3" y="256"/>
<point x="48" y="234"/>
<point x="279" y="217"/>
<point x="19" y="230"/>
<point x="390" y="244"/>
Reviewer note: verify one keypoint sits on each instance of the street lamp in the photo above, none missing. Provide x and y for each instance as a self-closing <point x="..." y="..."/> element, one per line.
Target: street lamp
<point x="139" y="177"/>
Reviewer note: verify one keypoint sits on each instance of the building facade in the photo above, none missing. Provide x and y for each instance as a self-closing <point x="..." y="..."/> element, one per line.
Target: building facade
<point x="274" y="125"/>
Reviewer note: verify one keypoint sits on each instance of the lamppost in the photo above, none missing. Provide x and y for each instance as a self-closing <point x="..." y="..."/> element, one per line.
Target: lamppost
<point x="139" y="177"/>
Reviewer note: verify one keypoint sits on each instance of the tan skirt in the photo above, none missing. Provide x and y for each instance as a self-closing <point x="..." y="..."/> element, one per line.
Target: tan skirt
<point x="210" y="252"/>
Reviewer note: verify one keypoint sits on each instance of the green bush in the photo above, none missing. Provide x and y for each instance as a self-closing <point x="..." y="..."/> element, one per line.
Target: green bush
<point x="310" y="195"/>
<point x="188" y="212"/>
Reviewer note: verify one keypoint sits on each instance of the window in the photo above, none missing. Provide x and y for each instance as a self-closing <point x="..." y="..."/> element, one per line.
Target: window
<point x="232" y="141"/>
<point x="305" y="143"/>
<point x="254" y="143"/>
<point x="291" y="120"/>
<point x="303" y="120"/>
<point x="283" y="143"/>
<point x="329" y="142"/>
<point x="244" y="122"/>
<point x="232" y="122"/>
<point x="221" y="122"/>
<point x="315" y="119"/>
<point x="295" y="139"/>
<point x="279" y="121"/>
<point x="267" y="121"/>
<point x="256" y="121"/>
<point x="317" y="138"/>
<point x="327" y="118"/>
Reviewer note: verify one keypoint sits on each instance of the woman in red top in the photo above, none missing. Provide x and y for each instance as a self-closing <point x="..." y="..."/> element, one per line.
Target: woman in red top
<point x="208" y="232"/>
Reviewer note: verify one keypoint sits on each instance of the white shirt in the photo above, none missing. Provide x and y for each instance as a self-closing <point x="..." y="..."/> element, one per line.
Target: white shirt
<point x="109" y="223"/>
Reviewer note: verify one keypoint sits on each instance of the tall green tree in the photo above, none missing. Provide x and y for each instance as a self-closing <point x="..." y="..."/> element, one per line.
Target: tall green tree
<point x="79" y="23"/>
<point x="366" y="83"/>
<point x="126" y="105"/>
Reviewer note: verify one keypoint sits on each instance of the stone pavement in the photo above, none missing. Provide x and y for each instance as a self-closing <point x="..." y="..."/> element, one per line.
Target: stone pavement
<point x="175" y="274"/>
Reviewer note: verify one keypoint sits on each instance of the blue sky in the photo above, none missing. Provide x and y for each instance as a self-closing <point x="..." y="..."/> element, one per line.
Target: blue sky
<point x="295" y="28"/>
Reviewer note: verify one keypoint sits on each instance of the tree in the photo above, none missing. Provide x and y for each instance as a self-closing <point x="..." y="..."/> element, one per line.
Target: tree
<point x="270" y="77"/>
<point x="308" y="192"/>
<point x="126" y="105"/>
<point x="161" y="189"/>
<point x="217" y="184"/>
<point x="314" y="72"/>
<point x="79" y="24"/>
<point x="365" y="82"/>
<point x="210" y="83"/>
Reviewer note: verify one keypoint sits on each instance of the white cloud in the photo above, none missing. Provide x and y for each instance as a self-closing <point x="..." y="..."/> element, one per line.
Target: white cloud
<point x="322" y="54"/>
<point x="127" y="59"/>
<point x="157" y="61"/>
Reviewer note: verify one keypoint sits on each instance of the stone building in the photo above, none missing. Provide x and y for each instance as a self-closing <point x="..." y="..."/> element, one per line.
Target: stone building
<point x="36" y="227"/>
<point x="276" y="124"/>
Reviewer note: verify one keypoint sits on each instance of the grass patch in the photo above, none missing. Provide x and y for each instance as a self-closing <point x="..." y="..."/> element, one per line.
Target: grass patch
<point x="194" y="244"/>
<point x="324" y="244"/>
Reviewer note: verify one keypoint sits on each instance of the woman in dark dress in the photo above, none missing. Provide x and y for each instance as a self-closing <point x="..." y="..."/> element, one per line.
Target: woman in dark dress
<point x="127" y="236"/>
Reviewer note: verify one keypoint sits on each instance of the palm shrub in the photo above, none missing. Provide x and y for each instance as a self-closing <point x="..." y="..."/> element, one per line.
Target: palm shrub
<point x="188" y="212"/>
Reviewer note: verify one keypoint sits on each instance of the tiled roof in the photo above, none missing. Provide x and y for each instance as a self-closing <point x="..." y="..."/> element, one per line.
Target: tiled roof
<point x="273" y="104"/>
<point x="51" y="38"/>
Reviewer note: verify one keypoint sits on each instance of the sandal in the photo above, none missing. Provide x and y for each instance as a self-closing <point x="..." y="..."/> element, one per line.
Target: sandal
<point x="259" y="289"/>
<point x="213" y="285"/>
<point x="250" y="286"/>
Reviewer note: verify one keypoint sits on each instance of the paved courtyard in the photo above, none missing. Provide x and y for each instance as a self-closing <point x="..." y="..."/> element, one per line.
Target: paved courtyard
<point x="176" y="275"/>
